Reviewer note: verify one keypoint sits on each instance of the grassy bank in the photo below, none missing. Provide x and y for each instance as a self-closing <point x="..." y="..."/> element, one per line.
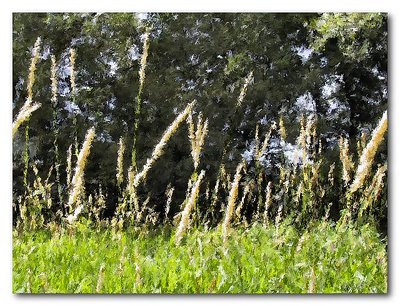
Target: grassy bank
<point x="322" y="259"/>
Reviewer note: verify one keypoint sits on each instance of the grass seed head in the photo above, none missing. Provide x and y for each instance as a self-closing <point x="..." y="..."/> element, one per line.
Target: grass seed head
<point x="168" y="192"/>
<point x="346" y="159"/>
<point x="54" y="81"/>
<point x="238" y="210"/>
<point x="24" y="115"/>
<point x="265" y="144"/>
<point x="247" y="81"/>
<point x="143" y="60"/>
<point x="197" y="137"/>
<point x="268" y="200"/>
<point x="368" y="154"/>
<point x="120" y="162"/>
<point x="32" y="68"/>
<point x="158" y="150"/>
<point x="100" y="279"/>
<point x="233" y="194"/>
<point x="72" y="59"/>
<point x="77" y="180"/>
<point x="190" y="203"/>
<point x="282" y="128"/>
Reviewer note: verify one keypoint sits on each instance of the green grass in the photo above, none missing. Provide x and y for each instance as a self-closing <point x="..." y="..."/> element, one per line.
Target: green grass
<point x="254" y="260"/>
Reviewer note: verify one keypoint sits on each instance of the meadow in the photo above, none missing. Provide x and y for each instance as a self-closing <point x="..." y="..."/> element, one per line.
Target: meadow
<point x="258" y="260"/>
<point x="316" y="224"/>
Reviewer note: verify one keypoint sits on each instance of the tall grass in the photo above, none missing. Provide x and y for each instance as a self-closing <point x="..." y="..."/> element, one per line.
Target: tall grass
<point x="233" y="194"/>
<point x="292" y="207"/>
<point x="72" y="61"/>
<point x="28" y="107"/>
<point x="190" y="203"/>
<point x="77" y="184"/>
<point x="120" y="163"/>
<point x="55" y="126"/>
<point x="24" y="115"/>
<point x="158" y="149"/>
<point x="368" y="154"/>
<point x="300" y="184"/>
<point x="138" y="100"/>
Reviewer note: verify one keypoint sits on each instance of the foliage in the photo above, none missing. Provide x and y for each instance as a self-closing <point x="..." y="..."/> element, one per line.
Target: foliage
<point x="353" y="47"/>
<point x="352" y="30"/>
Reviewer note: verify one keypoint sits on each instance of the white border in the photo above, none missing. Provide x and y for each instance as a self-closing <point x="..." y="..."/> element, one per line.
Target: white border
<point x="7" y="7"/>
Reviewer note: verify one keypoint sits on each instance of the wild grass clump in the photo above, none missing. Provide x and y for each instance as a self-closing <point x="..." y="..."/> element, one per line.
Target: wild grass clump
<point x="301" y="180"/>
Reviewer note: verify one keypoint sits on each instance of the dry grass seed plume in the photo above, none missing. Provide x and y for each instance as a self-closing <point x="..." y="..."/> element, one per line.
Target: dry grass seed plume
<point x="368" y="154"/>
<point x="257" y="139"/>
<point x="238" y="211"/>
<point x="265" y="144"/>
<point x="24" y="115"/>
<point x="39" y="188"/>
<point x="346" y="159"/>
<point x="247" y="81"/>
<point x="120" y="162"/>
<point x="72" y="59"/>
<point x="28" y="108"/>
<point x="134" y="178"/>
<point x="282" y="129"/>
<point x="138" y="99"/>
<point x="54" y="93"/>
<point x="374" y="190"/>
<point x="168" y="193"/>
<point x="233" y="193"/>
<point x="32" y="68"/>
<point x="69" y="166"/>
<point x="54" y="81"/>
<point x="190" y="203"/>
<point x="197" y="137"/>
<point x="158" y="150"/>
<point x="268" y="200"/>
<point x="143" y="60"/>
<point x="301" y="140"/>
<point x="100" y="278"/>
<point x="77" y="180"/>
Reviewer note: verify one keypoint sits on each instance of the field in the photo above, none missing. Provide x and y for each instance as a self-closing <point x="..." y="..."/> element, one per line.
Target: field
<point x="246" y="173"/>
<point x="258" y="260"/>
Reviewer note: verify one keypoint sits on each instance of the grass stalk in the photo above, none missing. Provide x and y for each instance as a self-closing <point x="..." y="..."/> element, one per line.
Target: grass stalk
<point x="158" y="150"/>
<point x="54" y="103"/>
<point x="72" y="60"/>
<point x="138" y="99"/>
